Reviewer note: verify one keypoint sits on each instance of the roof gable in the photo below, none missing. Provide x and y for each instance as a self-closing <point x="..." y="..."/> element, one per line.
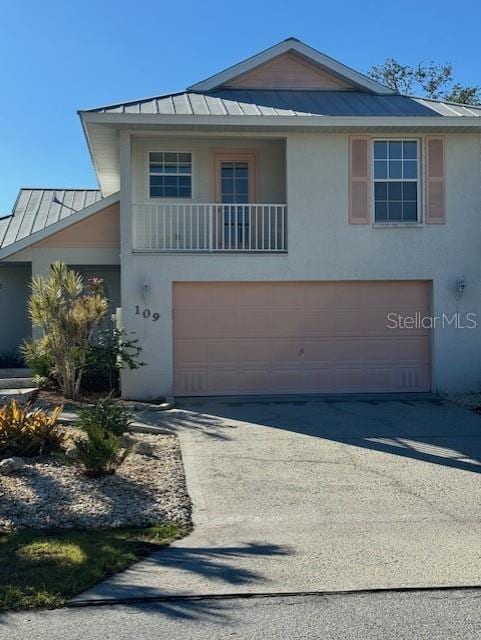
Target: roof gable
<point x="98" y="231"/>
<point x="36" y="209"/>
<point x="329" y="70"/>
<point x="288" y="71"/>
<point x="39" y="213"/>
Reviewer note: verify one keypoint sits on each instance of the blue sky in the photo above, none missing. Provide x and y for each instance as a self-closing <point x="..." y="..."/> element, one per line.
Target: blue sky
<point x="57" y="57"/>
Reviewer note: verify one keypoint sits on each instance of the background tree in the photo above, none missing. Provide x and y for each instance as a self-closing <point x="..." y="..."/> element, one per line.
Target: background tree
<point x="431" y="80"/>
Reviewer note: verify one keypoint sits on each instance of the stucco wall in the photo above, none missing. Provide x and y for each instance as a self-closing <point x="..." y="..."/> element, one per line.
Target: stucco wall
<point x="323" y="246"/>
<point x="270" y="165"/>
<point x="14" y="290"/>
<point x="40" y="260"/>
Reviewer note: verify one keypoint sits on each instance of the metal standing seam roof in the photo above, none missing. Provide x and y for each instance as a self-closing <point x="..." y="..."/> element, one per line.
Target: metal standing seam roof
<point x="250" y="102"/>
<point x="35" y="210"/>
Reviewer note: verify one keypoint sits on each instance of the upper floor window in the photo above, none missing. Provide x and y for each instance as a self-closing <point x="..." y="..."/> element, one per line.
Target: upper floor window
<point x="396" y="180"/>
<point x="170" y="174"/>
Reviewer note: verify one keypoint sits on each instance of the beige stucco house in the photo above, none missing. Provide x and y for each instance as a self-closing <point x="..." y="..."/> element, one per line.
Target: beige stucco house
<point x="285" y="226"/>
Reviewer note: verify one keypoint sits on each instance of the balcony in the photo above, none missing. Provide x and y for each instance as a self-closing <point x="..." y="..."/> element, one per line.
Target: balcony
<point x="201" y="227"/>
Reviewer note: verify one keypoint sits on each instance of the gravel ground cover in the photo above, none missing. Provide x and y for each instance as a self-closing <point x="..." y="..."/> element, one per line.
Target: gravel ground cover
<point x="468" y="400"/>
<point x="148" y="488"/>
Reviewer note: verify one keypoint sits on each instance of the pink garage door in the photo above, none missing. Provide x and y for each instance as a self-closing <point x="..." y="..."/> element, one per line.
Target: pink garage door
<point x="299" y="337"/>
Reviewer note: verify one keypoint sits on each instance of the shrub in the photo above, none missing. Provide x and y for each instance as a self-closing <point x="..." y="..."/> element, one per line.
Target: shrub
<point x="101" y="453"/>
<point x="107" y="415"/>
<point x="68" y="311"/>
<point x="11" y="360"/>
<point x="111" y="351"/>
<point x="37" y="358"/>
<point x="28" y="432"/>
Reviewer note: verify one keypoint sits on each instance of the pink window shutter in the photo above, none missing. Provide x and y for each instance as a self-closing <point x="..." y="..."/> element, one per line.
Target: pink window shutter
<point x="359" y="180"/>
<point x="435" y="181"/>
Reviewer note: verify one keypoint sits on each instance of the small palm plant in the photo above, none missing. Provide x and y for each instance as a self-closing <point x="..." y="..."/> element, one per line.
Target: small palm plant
<point x="68" y="311"/>
<point x="101" y="452"/>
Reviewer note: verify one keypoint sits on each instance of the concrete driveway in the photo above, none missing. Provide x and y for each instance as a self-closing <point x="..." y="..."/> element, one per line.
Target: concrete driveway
<point x="308" y="495"/>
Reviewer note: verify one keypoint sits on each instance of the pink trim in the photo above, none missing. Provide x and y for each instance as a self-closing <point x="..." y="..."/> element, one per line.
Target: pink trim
<point x="100" y="230"/>
<point x="359" y="180"/>
<point x="435" y="180"/>
<point x="232" y="155"/>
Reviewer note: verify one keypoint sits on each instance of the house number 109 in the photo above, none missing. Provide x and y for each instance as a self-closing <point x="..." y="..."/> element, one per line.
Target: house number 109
<point x="147" y="314"/>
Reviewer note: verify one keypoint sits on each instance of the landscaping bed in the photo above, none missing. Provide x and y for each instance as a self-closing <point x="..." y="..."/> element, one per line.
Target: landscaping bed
<point x="468" y="400"/>
<point x="79" y="503"/>
<point x="62" y="531"/>
<point x="51" y="491"/>
<point x="50" y="396"/>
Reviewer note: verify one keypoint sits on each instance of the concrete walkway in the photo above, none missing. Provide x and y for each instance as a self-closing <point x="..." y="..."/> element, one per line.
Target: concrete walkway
<point x="308" y="495"/>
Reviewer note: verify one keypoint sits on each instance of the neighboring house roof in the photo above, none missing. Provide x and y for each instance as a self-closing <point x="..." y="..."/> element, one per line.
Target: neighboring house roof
<point x="285" y="102"/>
<point x="37" y="213"/>
<point x="343" y="72"/>
<point x="451" y="108"/>
<point x="36" y="209"/>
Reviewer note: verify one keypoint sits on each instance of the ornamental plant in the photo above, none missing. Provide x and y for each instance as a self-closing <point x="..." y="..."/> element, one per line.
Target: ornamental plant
<point x="110" y="416"/>
<point x="101" y="452"/>
<point x="68" y="311"/>
<point x="112" y="350"/>
<point x="28" y="432"/>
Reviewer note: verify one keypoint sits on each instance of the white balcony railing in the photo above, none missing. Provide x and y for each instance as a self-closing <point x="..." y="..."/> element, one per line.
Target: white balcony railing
<point x="210" y="227"/>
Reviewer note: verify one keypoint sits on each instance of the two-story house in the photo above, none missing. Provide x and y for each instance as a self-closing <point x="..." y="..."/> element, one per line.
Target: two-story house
<point x="285" y="226"/>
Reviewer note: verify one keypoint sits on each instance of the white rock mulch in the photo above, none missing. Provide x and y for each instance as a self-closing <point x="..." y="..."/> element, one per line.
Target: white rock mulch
<point x="468" y="400"/>
<point x="148" y="488"/>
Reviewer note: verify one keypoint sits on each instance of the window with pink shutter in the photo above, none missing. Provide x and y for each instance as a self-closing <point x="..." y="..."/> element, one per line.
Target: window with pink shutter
<point x="359" y="180"/>
<point x="396" y="180"/>
<point x="435" y="181"/>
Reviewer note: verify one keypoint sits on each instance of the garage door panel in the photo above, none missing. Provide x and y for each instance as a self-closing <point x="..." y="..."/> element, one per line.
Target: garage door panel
<point x="191" y="352"/>
<point x="364" y="350"/>
<point x="191" y="296"/>
<point x="282" y="295"/>
<point x="204" y="323"/>
<point x="237" y="380"/>
<point x="311" y="337"/>
<point x="395" y="294"/>
<point x="264" y="352"/>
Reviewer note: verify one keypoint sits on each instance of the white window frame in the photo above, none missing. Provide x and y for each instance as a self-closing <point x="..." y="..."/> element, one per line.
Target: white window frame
<point x="418" y="179"/>
<point x="191" y="174"/>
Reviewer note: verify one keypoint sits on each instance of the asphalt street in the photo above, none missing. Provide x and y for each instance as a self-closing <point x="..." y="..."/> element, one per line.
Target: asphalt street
<point x="440" y="615"/>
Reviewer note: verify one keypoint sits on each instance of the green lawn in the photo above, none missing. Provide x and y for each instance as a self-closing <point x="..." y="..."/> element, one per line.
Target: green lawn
<point x="44" y="568"/>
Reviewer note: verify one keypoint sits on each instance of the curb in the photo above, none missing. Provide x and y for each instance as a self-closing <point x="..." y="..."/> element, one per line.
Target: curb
<point x="148" y="406"/>
<point x="137" y="407"/>
<point x="102" y="602"/>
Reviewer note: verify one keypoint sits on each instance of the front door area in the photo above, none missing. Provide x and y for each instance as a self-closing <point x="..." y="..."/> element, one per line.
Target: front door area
<point x="235" y="189"/>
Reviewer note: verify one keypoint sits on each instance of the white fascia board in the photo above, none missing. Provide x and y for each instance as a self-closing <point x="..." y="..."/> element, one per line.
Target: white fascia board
<point x="107" y="183"/>
<point x="90" y="150"/>
<point x="320" y="122"/>
<point x="78" y="216"/>
<point x="329" y="64"/>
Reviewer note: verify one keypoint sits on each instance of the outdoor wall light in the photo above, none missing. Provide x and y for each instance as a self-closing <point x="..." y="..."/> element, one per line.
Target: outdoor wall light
<point x="460" y="286"/>
<point x="146" y="291"/>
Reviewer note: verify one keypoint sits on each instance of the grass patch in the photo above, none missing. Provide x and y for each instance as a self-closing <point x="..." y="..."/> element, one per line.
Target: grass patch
<point x="44" y="568"/>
